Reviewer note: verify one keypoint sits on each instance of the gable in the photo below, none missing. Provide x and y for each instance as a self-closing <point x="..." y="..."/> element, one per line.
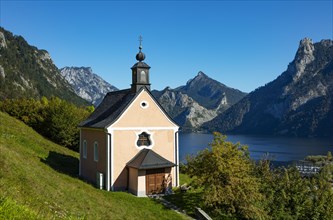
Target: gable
<point x="148" y="159"/>
<point x="113" y="104"/>
<point x="143" y="111"/>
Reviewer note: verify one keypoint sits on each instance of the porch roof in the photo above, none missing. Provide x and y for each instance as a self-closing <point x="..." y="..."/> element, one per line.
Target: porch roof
<point x="148" y="159"/>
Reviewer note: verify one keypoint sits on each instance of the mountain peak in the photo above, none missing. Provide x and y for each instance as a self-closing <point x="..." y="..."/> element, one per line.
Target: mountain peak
<point x="198" y="79"/>
<point x="305" y="46"/>
<point x="305" y="41"/>
<point x="200" y="73"/>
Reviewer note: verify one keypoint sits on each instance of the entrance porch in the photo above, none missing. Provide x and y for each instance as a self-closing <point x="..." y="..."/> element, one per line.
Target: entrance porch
<point x="149" y="173"/>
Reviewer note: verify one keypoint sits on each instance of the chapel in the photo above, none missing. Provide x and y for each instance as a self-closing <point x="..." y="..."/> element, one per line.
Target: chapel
<point x="129" y="143"/>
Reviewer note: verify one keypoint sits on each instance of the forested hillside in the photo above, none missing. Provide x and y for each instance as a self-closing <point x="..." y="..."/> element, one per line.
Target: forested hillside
<point x="28" y="72"/>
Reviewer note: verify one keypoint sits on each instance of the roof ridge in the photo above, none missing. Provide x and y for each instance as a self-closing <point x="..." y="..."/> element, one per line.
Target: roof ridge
<point x="118" y="91"/>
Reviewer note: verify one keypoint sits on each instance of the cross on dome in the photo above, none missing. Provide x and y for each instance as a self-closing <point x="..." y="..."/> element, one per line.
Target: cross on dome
<point x="140" y="56"/>
<point x="140" y="40"/>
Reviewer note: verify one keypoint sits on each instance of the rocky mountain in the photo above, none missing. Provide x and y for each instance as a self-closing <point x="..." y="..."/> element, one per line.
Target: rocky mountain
<point x="27" y="72"/>
<point x="210" y="93"/>
<point x="87" y="84"/>
<point x="298" y="103"/>
<point x="199" y="101"/>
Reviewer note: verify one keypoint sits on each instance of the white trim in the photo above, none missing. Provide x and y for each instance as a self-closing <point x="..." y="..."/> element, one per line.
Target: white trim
<point x="142" y="128"/>
<point x="177" y="158"/>
<point x="132" y="103"/>
<point x="108" y="142"/>
<point x="151" y="139"/>
<point x="110" y="131"/>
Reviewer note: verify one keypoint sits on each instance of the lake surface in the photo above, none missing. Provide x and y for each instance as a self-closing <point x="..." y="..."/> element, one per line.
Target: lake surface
<point x="282" y="149"/>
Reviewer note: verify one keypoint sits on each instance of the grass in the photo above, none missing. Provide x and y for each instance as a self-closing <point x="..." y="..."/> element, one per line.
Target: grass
<point x="9" y="209"/>
<point x="38" y="179"/>
<point x="189" y="200"/>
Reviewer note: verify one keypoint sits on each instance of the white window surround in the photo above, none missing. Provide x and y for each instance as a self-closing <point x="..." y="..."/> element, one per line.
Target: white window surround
<point x="96" y="151"/>
<point x="144" y="104"/>
<point x="84" y="150"/>
<point x="150" y="137"/>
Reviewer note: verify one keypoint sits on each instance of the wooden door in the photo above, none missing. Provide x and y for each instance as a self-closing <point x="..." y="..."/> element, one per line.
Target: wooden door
<point x="155" y="181"/>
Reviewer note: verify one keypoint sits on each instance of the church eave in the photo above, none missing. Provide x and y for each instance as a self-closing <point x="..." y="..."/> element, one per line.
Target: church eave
<point x="140" y="64"/>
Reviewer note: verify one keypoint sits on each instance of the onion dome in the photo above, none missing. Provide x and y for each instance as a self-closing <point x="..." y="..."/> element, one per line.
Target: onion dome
<point x="140" y="56"/>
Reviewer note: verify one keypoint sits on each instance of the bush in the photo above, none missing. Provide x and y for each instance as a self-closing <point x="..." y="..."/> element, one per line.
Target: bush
<point x="54" y="118"/>
<point x="226" y="174"/>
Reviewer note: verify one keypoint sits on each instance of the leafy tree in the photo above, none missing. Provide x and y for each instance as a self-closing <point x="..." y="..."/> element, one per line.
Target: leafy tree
<point x="291" y="194"/>
<point x="60" y="122"/>
<point x="226" y="174"/>
<point x="321" y="196"/>
<point x="27" y="110"/>
<point x="54" y="118"/>
<point x="288" y="195"/>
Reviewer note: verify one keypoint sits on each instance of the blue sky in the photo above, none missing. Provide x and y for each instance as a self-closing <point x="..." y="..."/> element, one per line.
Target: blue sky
<point x="243" y="44"/>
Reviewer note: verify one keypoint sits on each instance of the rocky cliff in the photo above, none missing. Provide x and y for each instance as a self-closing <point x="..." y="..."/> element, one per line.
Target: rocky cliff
<point x="298" y="103"/>
<point x="87" y="84"/>
<point x="28" y="72"/>
<point x="197" y="102"/>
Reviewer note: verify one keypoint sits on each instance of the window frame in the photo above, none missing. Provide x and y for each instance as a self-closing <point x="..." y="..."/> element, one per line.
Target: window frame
<point x="96" y="155"/>
<point x="84" y="149"/>
<point x="151" y="139"/>
<point x="146" y="136"/>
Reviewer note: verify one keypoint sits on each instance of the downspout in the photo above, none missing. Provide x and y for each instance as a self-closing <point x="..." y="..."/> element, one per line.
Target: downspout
<point x="177" y="158"/>
<point x="108" y="170"/>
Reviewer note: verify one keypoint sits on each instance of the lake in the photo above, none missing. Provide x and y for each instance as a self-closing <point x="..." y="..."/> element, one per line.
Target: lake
<point x="282" y="149"/>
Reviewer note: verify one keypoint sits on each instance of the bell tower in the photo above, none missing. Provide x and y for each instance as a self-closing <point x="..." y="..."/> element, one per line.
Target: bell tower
<point x="140" y="72"/>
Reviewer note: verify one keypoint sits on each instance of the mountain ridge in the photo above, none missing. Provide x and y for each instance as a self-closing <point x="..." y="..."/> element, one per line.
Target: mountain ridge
<point x="87" y="84"/>
<point x="197" y="102"/>
<point x="29" y="72"/>
<point x="297" y="103"/>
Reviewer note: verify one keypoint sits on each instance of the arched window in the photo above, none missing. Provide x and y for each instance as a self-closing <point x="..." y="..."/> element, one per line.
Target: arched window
<point x="96" y="151"/>
<point x="143" y="140"/>
<point x="84" y="150"/>
<point x="143" y="78"/>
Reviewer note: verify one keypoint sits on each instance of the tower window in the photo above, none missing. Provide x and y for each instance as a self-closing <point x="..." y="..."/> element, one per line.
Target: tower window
<point x="143" y="140"/>
<point x="143" y="77"/>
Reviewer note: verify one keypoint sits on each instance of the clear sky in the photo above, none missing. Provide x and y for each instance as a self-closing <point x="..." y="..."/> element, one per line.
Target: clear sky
<point x="243" y="44"/>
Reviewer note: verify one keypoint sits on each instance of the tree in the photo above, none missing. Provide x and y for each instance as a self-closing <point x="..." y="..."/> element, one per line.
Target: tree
<point x="226" y="174"/>
<point x="61" y="121"/>
<point x="55" y="118"/>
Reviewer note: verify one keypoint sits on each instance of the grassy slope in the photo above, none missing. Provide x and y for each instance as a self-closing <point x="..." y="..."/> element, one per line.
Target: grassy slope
<point x="39" y="177"/>
<point x="189" y="200"/>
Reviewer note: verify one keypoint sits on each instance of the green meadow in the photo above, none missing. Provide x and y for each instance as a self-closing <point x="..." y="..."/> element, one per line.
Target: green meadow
<point x="39" y="180"/>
